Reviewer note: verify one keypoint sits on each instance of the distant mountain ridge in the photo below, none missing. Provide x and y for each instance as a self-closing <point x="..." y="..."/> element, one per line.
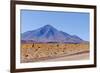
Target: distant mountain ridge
<point x="47" y="34"/>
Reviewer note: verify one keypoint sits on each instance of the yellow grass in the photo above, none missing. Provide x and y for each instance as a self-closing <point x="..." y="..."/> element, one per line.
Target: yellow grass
<point x="37" y="51"/>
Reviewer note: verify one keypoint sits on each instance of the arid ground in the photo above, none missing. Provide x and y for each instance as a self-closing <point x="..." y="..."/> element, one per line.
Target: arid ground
<point x="34" y="52"/>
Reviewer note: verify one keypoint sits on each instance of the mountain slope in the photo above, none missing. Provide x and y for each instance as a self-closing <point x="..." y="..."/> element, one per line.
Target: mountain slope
<point x="48" y="33"/>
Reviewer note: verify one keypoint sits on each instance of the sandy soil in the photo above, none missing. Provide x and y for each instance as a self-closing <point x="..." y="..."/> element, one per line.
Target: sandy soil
<point x="81" y="56"/>
<point x="53" y="52"/>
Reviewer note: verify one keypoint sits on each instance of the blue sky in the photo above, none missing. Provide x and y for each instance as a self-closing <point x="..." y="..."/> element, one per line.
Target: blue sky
<point x="73" y="23"/>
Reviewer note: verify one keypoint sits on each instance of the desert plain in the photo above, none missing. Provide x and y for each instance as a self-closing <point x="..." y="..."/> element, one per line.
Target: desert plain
<point x="35" y="52"/>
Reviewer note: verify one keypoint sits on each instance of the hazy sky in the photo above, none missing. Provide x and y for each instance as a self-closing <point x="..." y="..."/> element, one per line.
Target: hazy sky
<point x="73" y="23"/>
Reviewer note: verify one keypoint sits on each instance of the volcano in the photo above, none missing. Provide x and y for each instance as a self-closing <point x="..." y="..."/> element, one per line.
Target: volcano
<point x="47" y="34"/>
